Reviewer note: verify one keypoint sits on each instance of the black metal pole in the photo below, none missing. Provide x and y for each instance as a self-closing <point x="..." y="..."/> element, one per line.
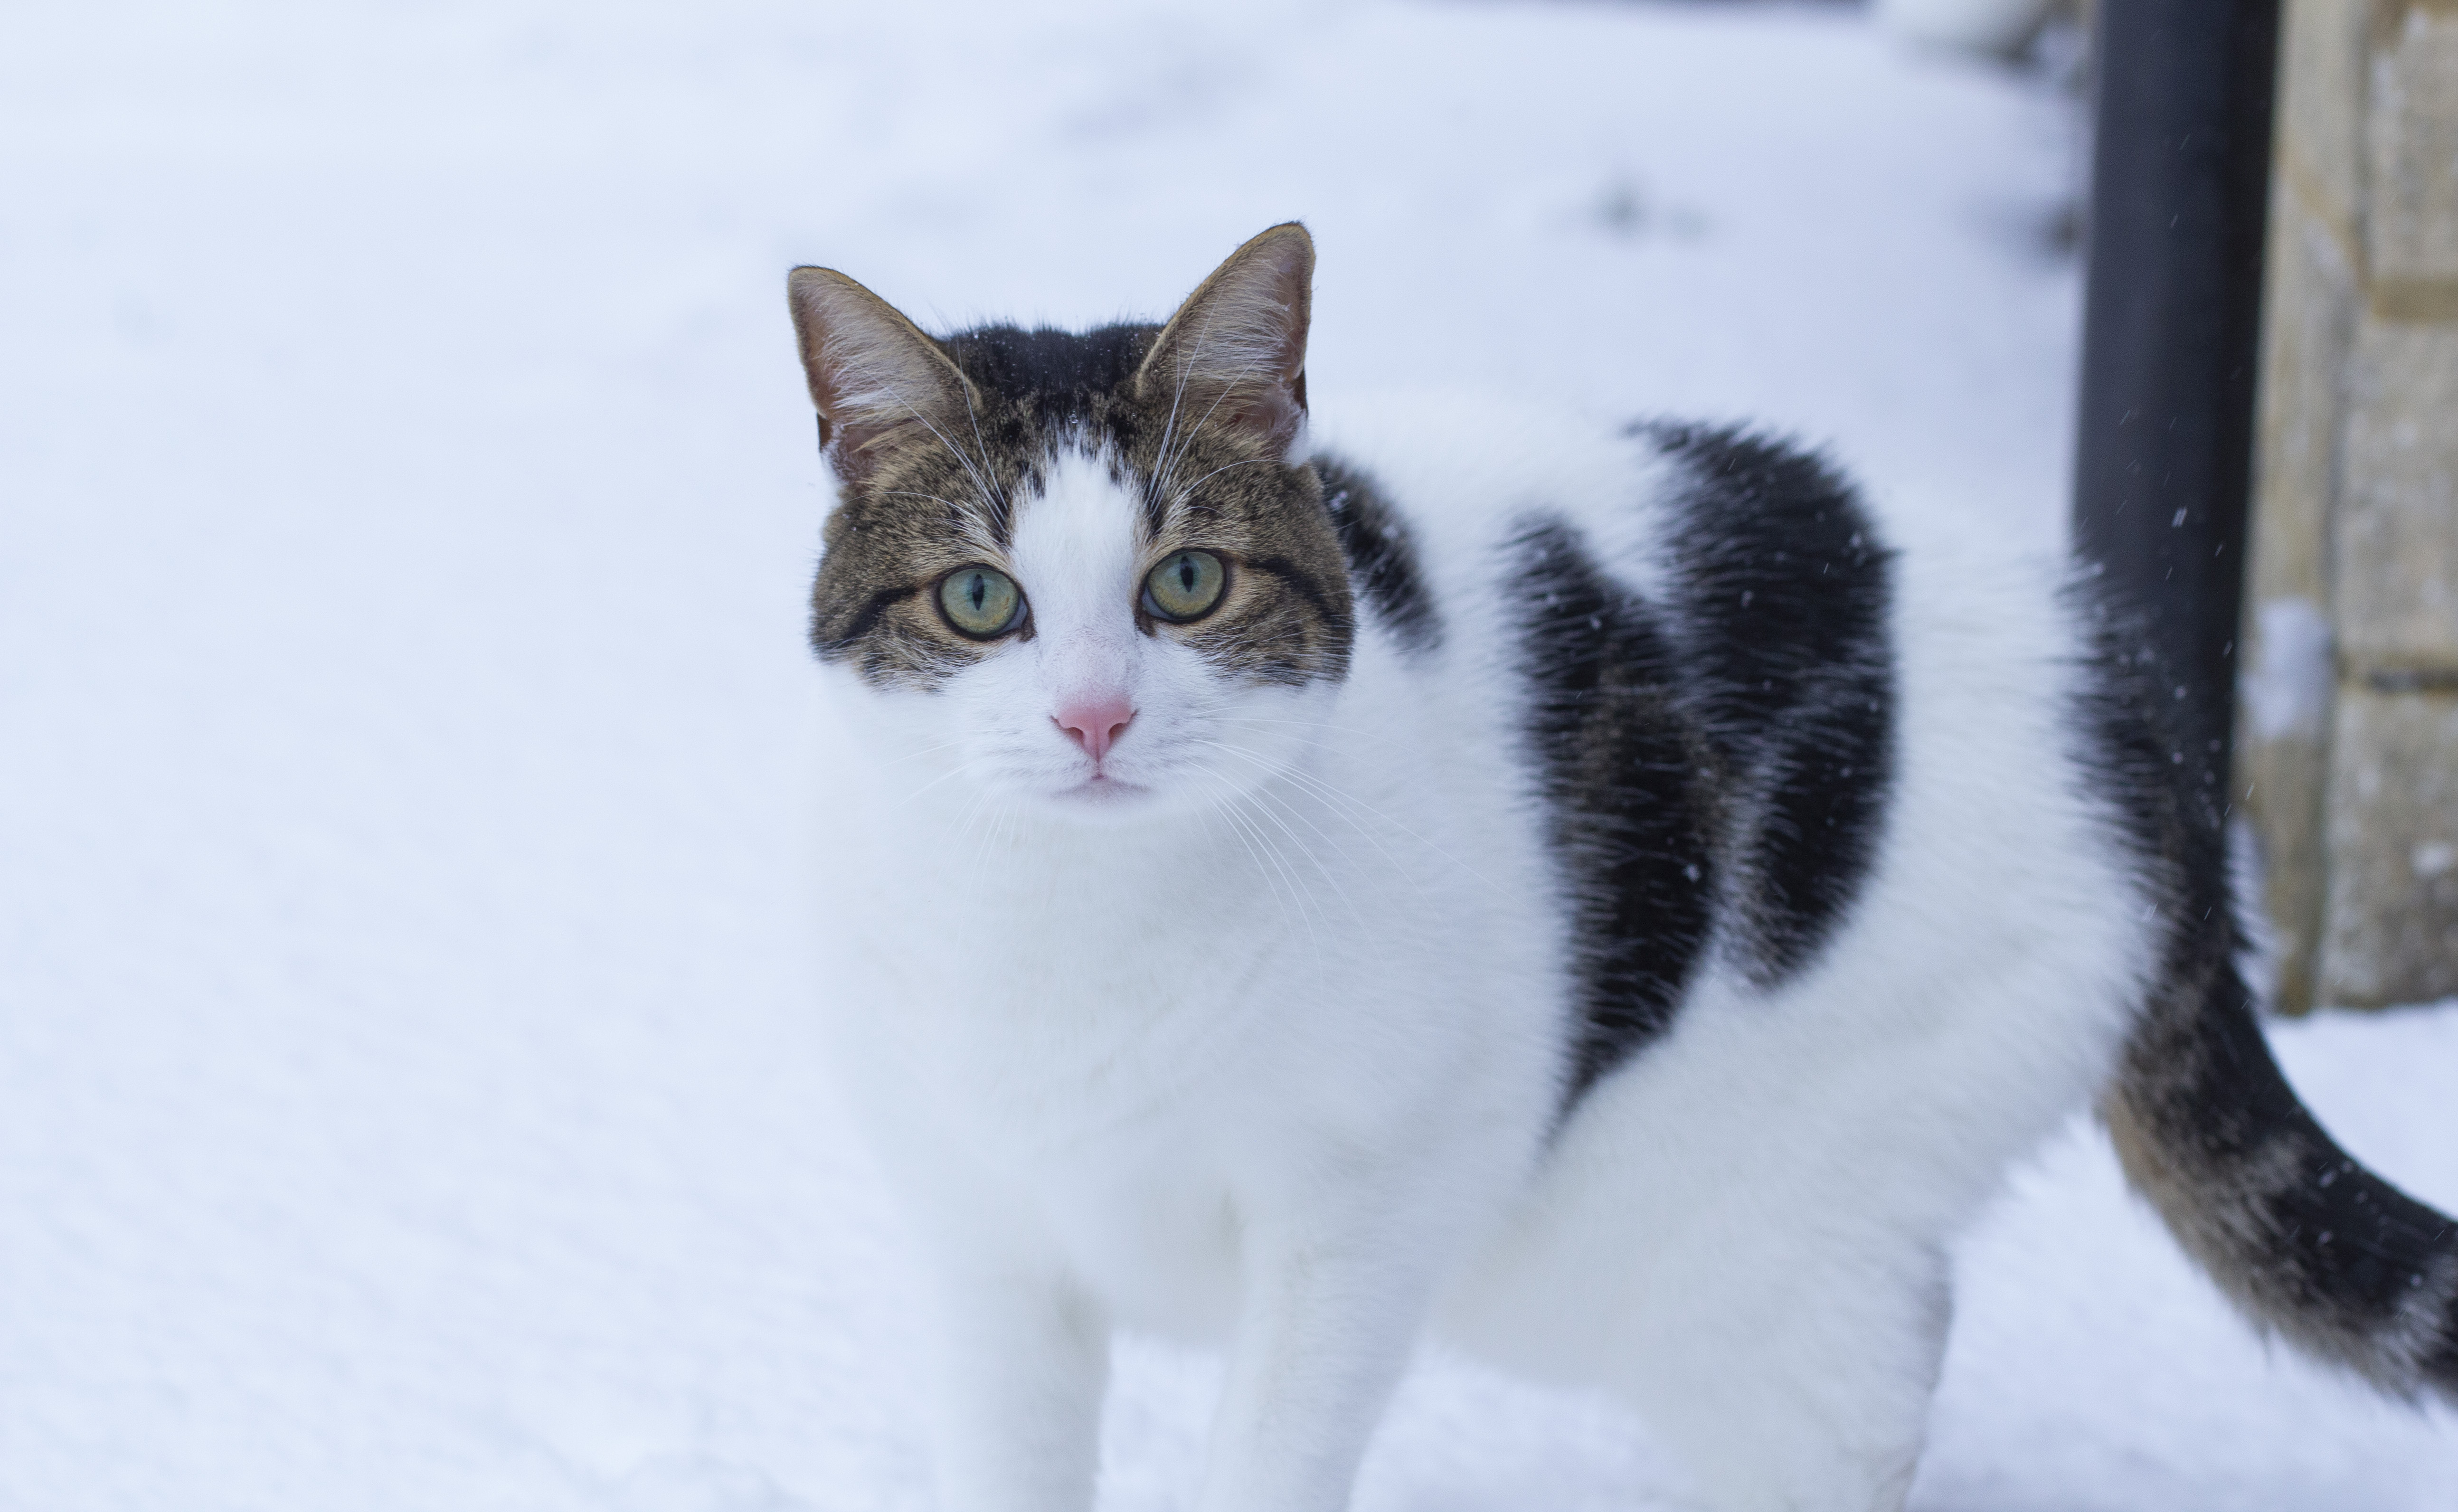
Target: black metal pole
<point x="2172" y="323"/>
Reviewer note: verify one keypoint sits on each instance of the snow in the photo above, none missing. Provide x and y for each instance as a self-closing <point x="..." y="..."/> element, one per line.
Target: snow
<point x="407" y="1091"/>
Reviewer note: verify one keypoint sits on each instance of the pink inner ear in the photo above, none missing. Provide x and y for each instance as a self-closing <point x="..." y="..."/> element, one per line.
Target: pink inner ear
<point x="871" y="371"/>
<point x="1241" y="336"/>
<point x="1275" y="417"/>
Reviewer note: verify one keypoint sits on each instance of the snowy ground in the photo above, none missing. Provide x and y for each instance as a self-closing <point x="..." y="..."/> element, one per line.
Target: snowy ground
<point x="406" y="1099"/>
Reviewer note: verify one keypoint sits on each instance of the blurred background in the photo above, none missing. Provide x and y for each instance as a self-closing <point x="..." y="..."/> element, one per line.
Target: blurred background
<point x="407" y="493"/>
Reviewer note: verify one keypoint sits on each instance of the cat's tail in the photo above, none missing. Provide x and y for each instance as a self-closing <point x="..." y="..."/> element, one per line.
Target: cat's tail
<point x="2299" y="1234"/>
<point x="2289" y="1224"/>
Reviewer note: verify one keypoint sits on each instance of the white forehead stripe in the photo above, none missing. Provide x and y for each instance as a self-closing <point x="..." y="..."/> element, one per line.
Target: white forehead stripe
<point x="1075" y="558"/>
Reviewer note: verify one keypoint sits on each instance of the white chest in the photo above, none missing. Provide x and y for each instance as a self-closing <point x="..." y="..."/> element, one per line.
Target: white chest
<point x="1132" y="1051"/>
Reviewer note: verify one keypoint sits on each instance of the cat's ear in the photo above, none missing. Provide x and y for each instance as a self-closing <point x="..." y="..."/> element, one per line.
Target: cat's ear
<point x="872" y="372"/>
<point x="1234" y="351"/>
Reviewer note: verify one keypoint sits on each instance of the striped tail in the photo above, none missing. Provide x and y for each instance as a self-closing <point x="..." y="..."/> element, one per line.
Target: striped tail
<point x="2306" y="1240"/>
<point x="2302" y="1237"/>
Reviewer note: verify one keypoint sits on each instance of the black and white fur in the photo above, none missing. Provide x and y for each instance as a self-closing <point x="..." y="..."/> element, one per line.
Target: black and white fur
<point x="1582" y="893"/>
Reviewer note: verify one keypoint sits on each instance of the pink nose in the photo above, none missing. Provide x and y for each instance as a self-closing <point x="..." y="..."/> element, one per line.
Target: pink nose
<point x="1095" y="723"/>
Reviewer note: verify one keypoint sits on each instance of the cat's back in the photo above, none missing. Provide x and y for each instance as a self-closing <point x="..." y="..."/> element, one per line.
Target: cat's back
<point x="1784" y="749"/>
<point x="1819" y="794"/>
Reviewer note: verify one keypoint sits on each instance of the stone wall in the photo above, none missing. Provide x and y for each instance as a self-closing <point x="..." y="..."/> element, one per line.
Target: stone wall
<point x="2349" y="735"/>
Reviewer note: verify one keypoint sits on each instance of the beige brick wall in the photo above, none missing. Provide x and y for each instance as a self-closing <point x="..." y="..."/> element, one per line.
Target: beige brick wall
<point x="2411" y="148"/>
<point x="2348" y="742"/>
<point x="2392" y="910"/>
<point x="2396" y="528"/>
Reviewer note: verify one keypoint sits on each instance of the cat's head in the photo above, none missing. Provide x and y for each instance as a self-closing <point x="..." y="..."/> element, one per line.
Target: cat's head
<point x="1092" y="572"/>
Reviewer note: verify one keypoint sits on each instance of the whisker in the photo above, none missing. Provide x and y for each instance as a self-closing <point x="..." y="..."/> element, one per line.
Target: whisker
<point x="1243" y="462"/>
<point x="1163" y="463"/>
<point x="1226" y="389"/>
<point x="1314" y="724"/>
<point x="916" y="493"/>
<point x="958" y="770"/>
<point x="980" y="482"/>
<point x="1340" y="804"/>
<point x="1004" y="506"/>
<point x="1397" y="825"/>
<point x="1246" y="838"/>
<point x="1166" y="468"/>
<point x="1297" y="886"/>
<point x="1277" y="805"/>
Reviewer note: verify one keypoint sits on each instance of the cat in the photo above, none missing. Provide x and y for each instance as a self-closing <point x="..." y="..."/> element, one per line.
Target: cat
<point x="1579" y="892"/>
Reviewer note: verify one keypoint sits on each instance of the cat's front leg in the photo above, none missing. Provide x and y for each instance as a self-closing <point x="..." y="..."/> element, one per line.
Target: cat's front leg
<point x="1023" y="1359"/>
<point x="1331" y="1313"/>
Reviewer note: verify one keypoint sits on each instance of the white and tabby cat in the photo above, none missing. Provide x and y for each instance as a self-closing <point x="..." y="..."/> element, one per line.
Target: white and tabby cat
<point x="1448" y="868"/>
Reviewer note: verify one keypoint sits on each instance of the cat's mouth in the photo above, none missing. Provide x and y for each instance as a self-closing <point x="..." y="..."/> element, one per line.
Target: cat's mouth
<point x="1103" y="788"/>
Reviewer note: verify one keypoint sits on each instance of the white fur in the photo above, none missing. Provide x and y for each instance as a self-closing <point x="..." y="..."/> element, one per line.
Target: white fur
<point x="1267" y="1053"/>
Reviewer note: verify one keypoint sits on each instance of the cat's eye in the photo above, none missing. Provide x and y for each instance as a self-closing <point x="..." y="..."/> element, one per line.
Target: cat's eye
<point x="981" y="602"/>
<point x="1186" y="586"/>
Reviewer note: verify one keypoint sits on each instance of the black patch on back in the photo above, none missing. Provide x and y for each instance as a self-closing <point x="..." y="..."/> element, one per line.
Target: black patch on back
<point x="1783" y="593"/>
<point x="1382" y="555"/>
<point x="1621" y="774"/>
<point x="1731" y="746"/>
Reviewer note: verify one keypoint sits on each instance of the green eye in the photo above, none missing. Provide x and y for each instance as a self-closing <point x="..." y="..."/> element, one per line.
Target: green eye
<point x="981" y="602"/>
<point x="1187" y="586"/>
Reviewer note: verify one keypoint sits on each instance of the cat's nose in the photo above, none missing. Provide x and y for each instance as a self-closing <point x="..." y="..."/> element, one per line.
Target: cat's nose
<point x="1095" y="723"/>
